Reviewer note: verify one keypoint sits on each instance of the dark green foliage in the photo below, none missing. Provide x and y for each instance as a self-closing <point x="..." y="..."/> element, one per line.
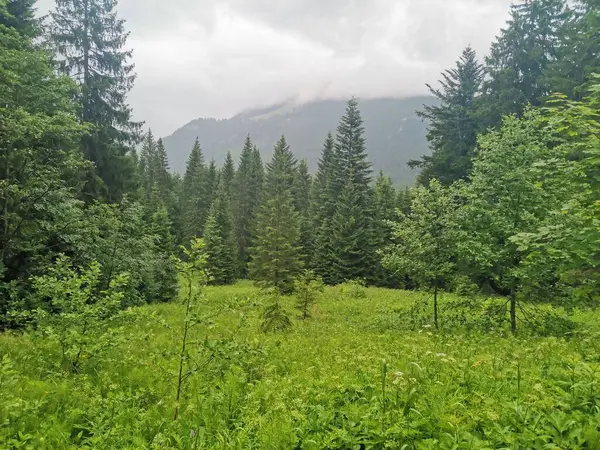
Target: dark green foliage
<point x="302" y="188"/>
<point x="247" y="186"/>
<point x="352" y="228"/>
<point x="322" y="207"/>
<point x="164" y="278"/>
<point x="40" y="166"/>
<point x="91" y="42"/>
<point x="276" y="251"/>
<point x="453" y="125"/>
<point x="385" y="204"/>
<point x="219" y="238"/>
<point x="577" y="55"/>
<point x="228" y="174"/>
<point x="352" y="238"/>
<point x="519" y="59"/>
<point x="194" y="195"/>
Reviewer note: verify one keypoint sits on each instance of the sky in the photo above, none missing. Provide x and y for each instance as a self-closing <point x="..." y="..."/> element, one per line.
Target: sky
<point x="216" y="58"/>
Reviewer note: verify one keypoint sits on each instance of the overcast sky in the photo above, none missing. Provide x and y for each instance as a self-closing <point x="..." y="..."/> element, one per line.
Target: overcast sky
<point x="215" y="58"/>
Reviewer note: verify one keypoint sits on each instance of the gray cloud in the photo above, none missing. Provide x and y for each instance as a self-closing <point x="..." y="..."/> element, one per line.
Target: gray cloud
<point x="218" y="57"/>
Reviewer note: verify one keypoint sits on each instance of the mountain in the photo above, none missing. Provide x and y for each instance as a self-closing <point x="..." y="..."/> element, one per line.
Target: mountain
<point x="393" y="133"/>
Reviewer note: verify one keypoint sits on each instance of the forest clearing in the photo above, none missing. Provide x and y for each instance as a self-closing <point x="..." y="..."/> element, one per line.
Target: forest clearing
<point x="358" y="373"/>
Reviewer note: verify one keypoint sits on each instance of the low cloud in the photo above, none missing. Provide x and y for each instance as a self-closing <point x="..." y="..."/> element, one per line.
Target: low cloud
<point x="215" y="58"/>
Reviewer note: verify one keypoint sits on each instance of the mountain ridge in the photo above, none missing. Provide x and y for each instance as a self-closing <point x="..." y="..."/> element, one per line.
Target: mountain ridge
<point x="393" y="133"/>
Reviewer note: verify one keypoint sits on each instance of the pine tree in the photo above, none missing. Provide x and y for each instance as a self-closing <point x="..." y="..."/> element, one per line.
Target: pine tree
<point x="453" y="126"/>
<point x="276" y="253"/>
<point x="246" y="197"/>
<point x="219" y="237"/>
<point x="520" y="57"/>
<point x="194" y="195"/>
<point x="302" y="185"/>
<point x="90" y="40"/>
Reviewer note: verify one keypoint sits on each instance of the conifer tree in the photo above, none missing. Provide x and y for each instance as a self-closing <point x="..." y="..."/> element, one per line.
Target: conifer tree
<point x="453" y="126"/>
<point x="353" y="250"/>
<point x="219" y="237"/>
<point x="352" y="240"/>
<point x="164" y="286"/>
<point x="228" y="173"/>
<point x="90" y="40"/>
<point x="246" y="196"/>
<point x="146" y="164"/>
<point x="302" y="184"/>
<point x="276" y="252"/>
<point x="162" y="173"/>
<point x="384" y="201"/>
<point x="577" y="55"/>
<point x="322" y="208"/>
<point x="212" y="182"/>
<point x="194" y="195"/>
<point x="520" y="57"/>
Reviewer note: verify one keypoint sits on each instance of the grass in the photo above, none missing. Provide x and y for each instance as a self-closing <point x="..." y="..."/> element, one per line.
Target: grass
<point x="355" y="375"/>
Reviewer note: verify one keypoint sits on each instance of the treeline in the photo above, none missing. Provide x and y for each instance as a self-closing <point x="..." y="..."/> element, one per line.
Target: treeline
<point x="507" y="201"/>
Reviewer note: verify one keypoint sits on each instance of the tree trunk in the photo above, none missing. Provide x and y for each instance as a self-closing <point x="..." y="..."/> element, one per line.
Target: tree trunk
<point x="513" y="310"/>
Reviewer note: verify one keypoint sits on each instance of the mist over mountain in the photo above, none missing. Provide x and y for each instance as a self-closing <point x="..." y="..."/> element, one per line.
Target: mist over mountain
<point x="393" y="132"/>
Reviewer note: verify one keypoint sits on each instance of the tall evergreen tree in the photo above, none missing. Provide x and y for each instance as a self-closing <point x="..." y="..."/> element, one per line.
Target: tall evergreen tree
<point x="352" y="238"/>
<point x="351" y="177"/>
<point x="228" y="173"/>
<point x="520" y="57"/>
<point x="302" y="184"/>
<point x="578" y="54"/>
<point x="219" y="237"/>
<point x="90" y="40"/>
<point x="246" y="196"/>
<point x="212" y="182"/>
<point x="276" y="252"/>
<point x="453" y="126"/>
<point x="322" y="208"/>
<point x="146" y="164"/>
<point x="385" y="202"/>
<point x="194" y="204"/>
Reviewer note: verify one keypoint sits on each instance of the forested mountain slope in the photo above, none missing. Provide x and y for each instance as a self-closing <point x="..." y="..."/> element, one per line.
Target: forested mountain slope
<point x="394" y="133"/>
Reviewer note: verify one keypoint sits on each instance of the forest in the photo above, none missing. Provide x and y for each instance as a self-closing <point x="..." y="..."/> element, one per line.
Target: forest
<point x="259" y="305"/>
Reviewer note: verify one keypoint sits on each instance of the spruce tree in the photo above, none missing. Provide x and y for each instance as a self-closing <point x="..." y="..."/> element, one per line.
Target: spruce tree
<point x="212" y="182"/>
<point x="164" y="286"/>
<point x="90" y="40"/>
<point x="302" y="184"/>
<point x="352" y="238"/>
<point x="352" y="196"/>
<point x="219" y="237"/>
<point x="276" y="252"/>
<point x="194" y="195"/>
<point x="577" y="56"/>
<point x="246" y="196"/>
<point x="162" y="173"/>
<point x="453" y="126"/>
<point x="322" y="208"/>
<point x="384" y="200"/>
<point x="517" y="64"/>
<point x="146" y="164"/>
<point x="228" y="173"/>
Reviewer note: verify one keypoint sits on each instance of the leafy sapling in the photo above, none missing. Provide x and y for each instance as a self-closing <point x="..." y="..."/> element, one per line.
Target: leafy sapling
<point x="78" y="311"/>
